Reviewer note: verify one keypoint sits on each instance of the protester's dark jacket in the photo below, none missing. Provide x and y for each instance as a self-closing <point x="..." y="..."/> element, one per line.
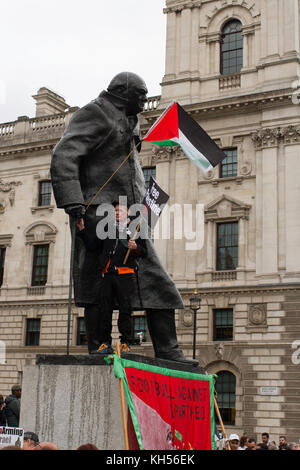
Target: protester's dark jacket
<point x="12" y="411"/>
<point x="97" y="140"/>
<point x="115" y="250"/>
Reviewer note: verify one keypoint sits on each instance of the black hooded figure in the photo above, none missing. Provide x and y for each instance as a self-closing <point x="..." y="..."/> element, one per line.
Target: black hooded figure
<point x="99" y="137"/>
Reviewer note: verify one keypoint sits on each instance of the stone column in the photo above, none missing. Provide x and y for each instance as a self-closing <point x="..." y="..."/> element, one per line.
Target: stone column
<point x="290" y="27"/>
<point x="171" y="44"/>
<point x="292" y="199"/>
<point x="266" y="141"/>
<point x="185" y="40"/>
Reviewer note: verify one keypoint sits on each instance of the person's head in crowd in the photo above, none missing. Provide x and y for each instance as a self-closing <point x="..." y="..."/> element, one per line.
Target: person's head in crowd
<point x="293" y="446"/>
<point x="31" y="440"/>
<point x="233" y="441"/>
<point x="46" y="446"/>
<point x="16" y="390"/>
<point x="251" y="444"/>
<point x="244" y="440"/>
<point x="87" y="447"/>
<point x="283" y="445"/>
<point x="273" y="446"/>
<point x="265" y="438"/>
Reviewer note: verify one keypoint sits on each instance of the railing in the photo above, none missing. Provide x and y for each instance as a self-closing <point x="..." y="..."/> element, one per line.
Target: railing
<point x="152" y="103"/>
<point x="47" y="122"/>
<point x="223" y="276"/>
<point x="7" y="129"/>
<point x="227" y="82"/>
<point x="40" y="290"/>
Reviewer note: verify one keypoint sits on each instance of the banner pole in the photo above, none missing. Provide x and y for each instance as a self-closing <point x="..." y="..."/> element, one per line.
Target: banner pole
<point x="220" y="419"/>
<point x="72" y="227"/>
<point x="123" y="403"/>
<point x="138" y="228"/>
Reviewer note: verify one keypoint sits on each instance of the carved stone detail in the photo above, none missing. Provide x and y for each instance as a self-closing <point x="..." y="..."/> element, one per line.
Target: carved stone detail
<point x="162" y="154"/>
<point x="265" y="138"/>
<point x="219" y="349"/>
<point x="291" y="134"/>
<point x="257" y="315"/>
<point x="187" y="318"/>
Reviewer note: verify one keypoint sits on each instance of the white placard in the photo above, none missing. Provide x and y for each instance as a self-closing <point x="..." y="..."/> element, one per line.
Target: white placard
<point x="11" y="436"/>
<point x="269" y="390"/>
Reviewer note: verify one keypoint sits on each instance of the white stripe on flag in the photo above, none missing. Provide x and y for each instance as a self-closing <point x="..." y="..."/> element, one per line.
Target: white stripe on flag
<point x="192" y="153"/>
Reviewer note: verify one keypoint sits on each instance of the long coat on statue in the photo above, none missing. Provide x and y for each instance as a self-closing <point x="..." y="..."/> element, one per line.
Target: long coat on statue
<point x="97" y="140"/>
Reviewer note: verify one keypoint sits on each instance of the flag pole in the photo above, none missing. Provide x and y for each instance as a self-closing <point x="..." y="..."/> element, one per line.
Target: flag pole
<point x="123" y="404"/>
<point x="72" y="228"/>
<point x="138" y="228"/>
<point x="220" y="418"/>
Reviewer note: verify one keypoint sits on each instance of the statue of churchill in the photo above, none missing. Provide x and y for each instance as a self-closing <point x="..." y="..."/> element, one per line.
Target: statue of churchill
<point x="99" y="137"/>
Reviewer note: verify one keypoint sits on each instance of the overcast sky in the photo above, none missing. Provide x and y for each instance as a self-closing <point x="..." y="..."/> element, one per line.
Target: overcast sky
<point x="75" y="47"/>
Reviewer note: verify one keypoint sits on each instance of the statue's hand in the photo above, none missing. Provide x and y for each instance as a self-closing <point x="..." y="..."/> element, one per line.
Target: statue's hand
<point x="75" y="210"/>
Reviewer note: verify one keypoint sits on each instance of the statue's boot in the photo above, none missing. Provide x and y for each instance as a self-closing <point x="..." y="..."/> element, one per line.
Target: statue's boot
<point x="162" y="329"/>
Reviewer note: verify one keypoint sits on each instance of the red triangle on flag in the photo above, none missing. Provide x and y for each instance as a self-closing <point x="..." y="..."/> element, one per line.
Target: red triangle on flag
<point x="166" y="127"/>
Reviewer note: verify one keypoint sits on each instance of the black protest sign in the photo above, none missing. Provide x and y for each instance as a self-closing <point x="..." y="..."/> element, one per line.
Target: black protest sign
<point x="154" y="202"/>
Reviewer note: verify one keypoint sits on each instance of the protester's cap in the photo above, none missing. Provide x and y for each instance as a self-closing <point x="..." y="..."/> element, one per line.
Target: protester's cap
<point x="234" y="437"/>
<point x="15" y="388"/>
<point x="32" y="436"/>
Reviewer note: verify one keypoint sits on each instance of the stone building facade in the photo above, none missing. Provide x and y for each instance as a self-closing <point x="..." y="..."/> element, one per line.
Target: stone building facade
<point x="234" y="66"/>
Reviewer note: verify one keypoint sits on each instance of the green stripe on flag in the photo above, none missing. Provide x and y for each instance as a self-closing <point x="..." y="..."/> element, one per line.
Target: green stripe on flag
<point x="164" y="143"/>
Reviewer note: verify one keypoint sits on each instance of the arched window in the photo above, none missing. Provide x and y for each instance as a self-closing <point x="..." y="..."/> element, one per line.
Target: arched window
<point x="225" y="388"/>
<point x="232" y="48"/>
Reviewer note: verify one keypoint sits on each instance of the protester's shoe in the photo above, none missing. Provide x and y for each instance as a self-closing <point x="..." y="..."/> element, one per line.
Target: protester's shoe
<point x="125" y="348"/>
<point x="105" y="348"/>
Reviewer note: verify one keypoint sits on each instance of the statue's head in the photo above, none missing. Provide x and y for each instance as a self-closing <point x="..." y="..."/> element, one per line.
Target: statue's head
<point x="130" y="89"/>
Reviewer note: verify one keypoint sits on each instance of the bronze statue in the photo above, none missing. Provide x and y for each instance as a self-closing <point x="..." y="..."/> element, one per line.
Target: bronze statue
<point x="99" y="137"/>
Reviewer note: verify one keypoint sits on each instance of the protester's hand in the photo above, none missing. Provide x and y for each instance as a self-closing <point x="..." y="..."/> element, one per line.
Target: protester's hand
<point x="75" y="210"/>
<point x="132" y="245"/>
<point x="80" y="224"/>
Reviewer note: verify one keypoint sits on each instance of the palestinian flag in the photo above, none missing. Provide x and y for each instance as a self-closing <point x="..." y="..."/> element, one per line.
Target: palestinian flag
<point x="176" y="127"/>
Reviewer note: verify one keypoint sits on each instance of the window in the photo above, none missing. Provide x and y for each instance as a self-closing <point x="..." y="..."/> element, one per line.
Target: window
<point x="44" y="193"/>
<point x="223" y="324"/>
<point x="228" y="167"/>
<point x="232" y="48"/>
<point x="148" y="172"/>
<point x="2" y="260"/>
<point x="139" y="326"/>
<point x="33" y="332"/>
<point x="227" y="246"/>
<point x="81" y="332"/>
<point x="225" y="388"/>
<point x="40" y="265"/>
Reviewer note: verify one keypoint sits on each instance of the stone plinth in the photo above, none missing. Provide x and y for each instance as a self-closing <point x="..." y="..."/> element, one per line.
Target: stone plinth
<point x="73" y="400"/>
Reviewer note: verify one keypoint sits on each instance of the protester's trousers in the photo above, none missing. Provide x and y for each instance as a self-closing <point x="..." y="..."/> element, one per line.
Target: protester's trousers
<point x="117" y="288"/>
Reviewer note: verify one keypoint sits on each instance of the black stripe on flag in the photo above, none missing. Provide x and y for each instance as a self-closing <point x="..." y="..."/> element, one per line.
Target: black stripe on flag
<point x="199" y="138"/>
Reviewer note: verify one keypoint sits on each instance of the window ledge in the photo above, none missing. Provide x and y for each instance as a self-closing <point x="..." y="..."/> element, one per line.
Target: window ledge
<point x="235" y="179"/>
<point x="42" y="208"/>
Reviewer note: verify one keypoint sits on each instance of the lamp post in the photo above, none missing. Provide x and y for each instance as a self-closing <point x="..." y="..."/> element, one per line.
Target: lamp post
<point x="195" y="302"/>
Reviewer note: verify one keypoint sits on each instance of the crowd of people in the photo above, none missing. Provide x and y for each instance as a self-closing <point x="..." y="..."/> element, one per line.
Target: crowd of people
<point x="10" y="417"/>
<point x="234" y="442"/>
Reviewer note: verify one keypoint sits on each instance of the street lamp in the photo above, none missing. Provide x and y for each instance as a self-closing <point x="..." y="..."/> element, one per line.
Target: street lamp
<point x="195" y="302"/>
